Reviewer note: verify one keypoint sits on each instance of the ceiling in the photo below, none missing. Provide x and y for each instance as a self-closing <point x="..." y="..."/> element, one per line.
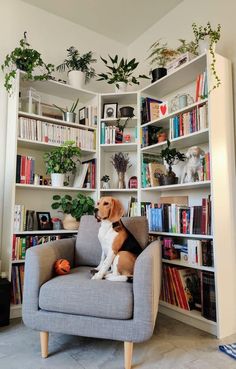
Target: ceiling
<point x="120" y="20"/>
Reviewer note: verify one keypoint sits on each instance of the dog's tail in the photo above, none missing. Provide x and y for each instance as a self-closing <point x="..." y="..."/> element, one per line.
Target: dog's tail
<point x="119" y="278"/>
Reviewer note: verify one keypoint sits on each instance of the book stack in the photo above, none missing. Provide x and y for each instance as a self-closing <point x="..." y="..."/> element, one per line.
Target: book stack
<point x="88" y="116"/>
<point x="108" y="134"/>
<point x="39" y="131"/>
<point x="25" y="168"/>
<point x="174" y="218"/>
<point x="132" y="207"/>
<point x="19" y="219"/>
<point x="86" y="175"/>
<point x="201" y="87"/>
<point x="150" y="109"/>
<point x="17" y="278"/>
<point x="21" y="244"/>
<point x="189" y="122"/>
<point x="205" y="170"/>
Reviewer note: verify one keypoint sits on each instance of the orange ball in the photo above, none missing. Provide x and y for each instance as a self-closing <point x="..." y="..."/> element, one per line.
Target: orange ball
<point x="62" y="266"/>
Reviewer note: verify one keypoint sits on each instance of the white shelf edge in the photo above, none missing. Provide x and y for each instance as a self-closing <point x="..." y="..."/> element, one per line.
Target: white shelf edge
<point x="39" y="143"/>
<point x="183" y="235"/>
<point x="19" y="261"/>
<point x="46" y="232"/>
<point x="173" y="114"/>
<point x="64" y="188"/>
<point x="56" y="121"/>
<point x="180" y="186"/>
<point x="179" y="263"/>
<point x="115" y="119"/>
<point x="119" y="190"/>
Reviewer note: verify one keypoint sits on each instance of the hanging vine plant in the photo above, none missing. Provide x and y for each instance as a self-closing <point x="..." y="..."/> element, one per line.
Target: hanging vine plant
<point x="28" y="60"/>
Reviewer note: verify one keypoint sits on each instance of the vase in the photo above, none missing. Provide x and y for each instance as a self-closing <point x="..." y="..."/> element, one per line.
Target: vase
<point x="69" y="117"/>
<point x="121" y="180"/>
<point x="105" y="185"/>
<point x="158" y="73"/>
<point x="70" y="222"/>
<point x="122" y="87"/>
<point x="76" y="79"/>
<point x="57" y="179"/>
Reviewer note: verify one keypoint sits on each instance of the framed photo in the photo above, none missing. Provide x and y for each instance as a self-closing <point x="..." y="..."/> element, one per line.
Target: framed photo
<point x="82" y="115"/>
<point x="110" y="110"/>
<point x="44" y="220"/>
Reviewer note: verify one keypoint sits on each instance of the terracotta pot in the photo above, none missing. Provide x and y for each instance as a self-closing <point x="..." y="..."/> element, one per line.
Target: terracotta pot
<point x="162" y="137"/>
<point x="70" y="222"/>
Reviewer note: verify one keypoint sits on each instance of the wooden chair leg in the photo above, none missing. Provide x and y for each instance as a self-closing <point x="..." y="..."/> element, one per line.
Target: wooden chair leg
<point x="44" y="344"/>
<point x="128" y="346"/>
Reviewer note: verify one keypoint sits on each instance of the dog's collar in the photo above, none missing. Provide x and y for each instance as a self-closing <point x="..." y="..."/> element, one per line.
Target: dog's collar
<point x="115" y="224"/>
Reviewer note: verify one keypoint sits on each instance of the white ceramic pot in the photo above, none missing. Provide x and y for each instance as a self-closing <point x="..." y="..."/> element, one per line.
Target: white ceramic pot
<point x="76" y="79"/>
<point x="122" y="87"/>
<point x="57" y="179"/>
<point x="204" y="45"/>
<point x="70" y="222"/>
<point x="105" y="185"/>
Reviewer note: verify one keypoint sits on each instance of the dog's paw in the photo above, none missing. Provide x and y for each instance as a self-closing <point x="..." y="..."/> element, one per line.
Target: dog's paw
<point x="97" y="276"/>
<point x="93" y="271"/>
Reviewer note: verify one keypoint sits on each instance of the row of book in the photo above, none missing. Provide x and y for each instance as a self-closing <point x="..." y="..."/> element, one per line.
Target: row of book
<point x="21" y="244"/>
<point x="189" y="289"/>
<point x="132" y="207"/>
<point x="150" y="109"/>
<point x="86" y="175"/>
<point x="201" y="86"/>
<point x="174" y="218"/>
<point x="108" y="134"/>
<point x="36" y="130"/>
<point x="88" y="116"/>
<point x="17" y="287"/>
<point x="23" y="219"/>
<point x="205" y="169"/>
<point x="25" y="169"/>
<point x="193" y="253"/>
<point x="186" y="123"/>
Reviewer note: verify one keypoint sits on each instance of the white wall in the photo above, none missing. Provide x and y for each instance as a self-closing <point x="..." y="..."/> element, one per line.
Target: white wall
<point x="50" y="35"/>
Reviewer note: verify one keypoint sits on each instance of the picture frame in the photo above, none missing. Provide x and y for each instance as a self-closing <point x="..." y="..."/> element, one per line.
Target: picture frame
<point x="110" y="110"/>
<point x="82" y="115"/>
<point x="44" y="220"/>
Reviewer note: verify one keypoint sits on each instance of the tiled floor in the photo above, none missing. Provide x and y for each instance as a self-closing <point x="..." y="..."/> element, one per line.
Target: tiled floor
<point x="173" y="346"/>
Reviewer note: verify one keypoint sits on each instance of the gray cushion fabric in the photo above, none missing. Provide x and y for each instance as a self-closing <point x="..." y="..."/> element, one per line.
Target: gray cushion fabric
<point x="88" y="249"/>
<point x="76" y="293"/>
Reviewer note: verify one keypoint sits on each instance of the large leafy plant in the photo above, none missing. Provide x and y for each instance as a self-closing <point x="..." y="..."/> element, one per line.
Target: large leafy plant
<point x="160" y="55"/>
<point x="171" y="156"/>
<point x="120" y="71"/>
<point x="63" y="159"/>
<point x="28" y="60"/>
<point x="75" y="61"/>
<point x="77" y="207"/>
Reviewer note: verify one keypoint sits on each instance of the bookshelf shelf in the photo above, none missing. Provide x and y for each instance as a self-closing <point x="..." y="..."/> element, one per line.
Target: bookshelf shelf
<point x="19" y="261"/>
<point x="119" y="147"/>
<point x="56" y="121"/>
<point x="193" y="139"/>
<point x="47" y="232"/>
<point x="44" y="146"/>
<point x="180" y="263"/>
<point x="183" y="235"/>
<point x="50" y="188"/>
<point x="119" y="190"/>
<point x="183" y="186"/>
<point x="165" y="120"/>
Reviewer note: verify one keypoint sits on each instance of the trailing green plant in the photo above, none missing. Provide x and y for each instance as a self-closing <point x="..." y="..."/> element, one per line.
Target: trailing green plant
<point x="105" y="178"/>
<point x="200" y="33"/>
<point x="185" y="47"/>
<point x="78" y="206"/>
<point x="120" y="71"/>
<point x="26" y="59"/>
<point x="171" y="156"/>
<point x="71" y="109"/>
<point x="63" y="159"/>
<point x="121" y="124"/>
<point x="121" y="162"/>
<point x="75" y="61"/>
<point x="160" y="54"/>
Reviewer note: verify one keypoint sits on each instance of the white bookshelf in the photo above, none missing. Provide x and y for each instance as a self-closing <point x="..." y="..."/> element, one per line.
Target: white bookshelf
<point x="186" y="265"/>
<point x="51" y="188"/>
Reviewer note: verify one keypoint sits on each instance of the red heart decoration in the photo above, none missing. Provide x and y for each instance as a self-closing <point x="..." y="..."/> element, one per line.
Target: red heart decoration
<point x="163" y="109"/>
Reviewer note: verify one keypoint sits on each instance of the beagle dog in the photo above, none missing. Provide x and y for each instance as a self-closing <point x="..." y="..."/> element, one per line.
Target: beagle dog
<point x="119" y="247"/>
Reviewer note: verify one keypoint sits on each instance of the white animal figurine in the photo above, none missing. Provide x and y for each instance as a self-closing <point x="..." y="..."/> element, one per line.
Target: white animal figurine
<point x="191" y="172"/>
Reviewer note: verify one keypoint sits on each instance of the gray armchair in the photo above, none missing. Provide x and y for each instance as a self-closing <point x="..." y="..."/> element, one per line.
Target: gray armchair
<point x="75" y="304"/>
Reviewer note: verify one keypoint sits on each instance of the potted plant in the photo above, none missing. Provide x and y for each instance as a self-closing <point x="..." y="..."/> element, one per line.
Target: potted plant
<point x="171" y="157"/>
<point x="73" y="208"/>
<point x="187" y="47"/>
<point x="69" y="115"/>
<point x="120" y="73"/>
<point x="27" y="60"/>
<point x="161" y="135"/>
<point x="159" y="57"/>
<point x="105" y="182"/>
<point x="79" y="68"/>
<point x="206" y="38"/>
<point x="120" y="126"/>
<point x="62" y="160"/>
<point x="121" y="163"/>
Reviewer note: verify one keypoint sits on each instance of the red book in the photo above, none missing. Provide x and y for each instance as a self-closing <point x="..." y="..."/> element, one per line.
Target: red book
<point x="184" y="303"/>
<point x="14" y="247"/>
<point x="173" y="292"/>
<point x="204" y="216"/>
<point x="28" y="168"/>
<point x="175" y="287"/>
<point x="197" y="87"/>
<point x="23" y="170"/>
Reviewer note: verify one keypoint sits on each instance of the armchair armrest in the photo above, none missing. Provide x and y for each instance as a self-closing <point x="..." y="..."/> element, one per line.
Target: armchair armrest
<point x="39" y="269"/>
<point x="146" y="285"/>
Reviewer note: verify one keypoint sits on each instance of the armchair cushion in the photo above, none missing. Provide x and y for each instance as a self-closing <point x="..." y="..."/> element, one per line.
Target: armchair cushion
<point x="76" y="293"/>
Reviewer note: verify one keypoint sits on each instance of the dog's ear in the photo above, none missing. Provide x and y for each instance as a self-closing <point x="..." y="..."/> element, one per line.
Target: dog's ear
<point x="201" y="152"/>
<point x="117" y="210"/>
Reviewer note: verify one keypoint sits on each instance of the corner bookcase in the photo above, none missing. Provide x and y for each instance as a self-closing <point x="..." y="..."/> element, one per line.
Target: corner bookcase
<point x="217" y="138"/>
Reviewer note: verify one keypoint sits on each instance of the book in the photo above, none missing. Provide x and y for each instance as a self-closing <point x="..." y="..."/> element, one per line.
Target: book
<point x="208" y="296"/>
